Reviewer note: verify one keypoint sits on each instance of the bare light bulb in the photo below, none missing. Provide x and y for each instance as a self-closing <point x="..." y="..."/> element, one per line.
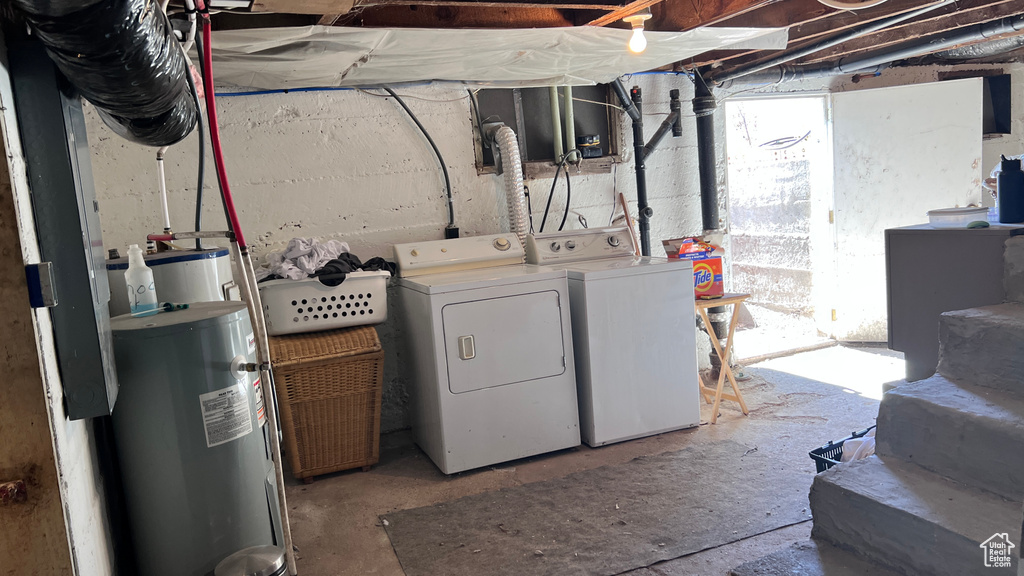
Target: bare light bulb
<point x="637" y="43"/>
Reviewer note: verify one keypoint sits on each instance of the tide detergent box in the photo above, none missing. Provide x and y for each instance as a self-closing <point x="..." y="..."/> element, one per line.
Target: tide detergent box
<point x="707" y="269"/>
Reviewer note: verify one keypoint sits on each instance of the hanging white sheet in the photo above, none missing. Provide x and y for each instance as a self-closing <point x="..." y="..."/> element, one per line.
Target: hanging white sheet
<point x="323" y="56"/>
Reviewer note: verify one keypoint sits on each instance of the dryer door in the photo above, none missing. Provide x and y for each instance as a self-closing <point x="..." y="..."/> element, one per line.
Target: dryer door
<point x="501" y="341"/>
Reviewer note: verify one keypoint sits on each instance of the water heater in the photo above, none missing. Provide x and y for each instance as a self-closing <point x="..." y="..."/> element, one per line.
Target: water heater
<point x="183" y="276"/>
<point x="192" y="439"/>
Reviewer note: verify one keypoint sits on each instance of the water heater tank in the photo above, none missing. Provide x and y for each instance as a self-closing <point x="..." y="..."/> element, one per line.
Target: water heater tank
<point x="183" y="276"/>
<point x="192" y="439"/>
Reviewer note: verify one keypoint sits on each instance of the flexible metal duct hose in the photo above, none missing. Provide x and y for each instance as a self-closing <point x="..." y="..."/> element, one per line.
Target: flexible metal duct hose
<point x="515" y="194"/>
<point x="123" y="57"/>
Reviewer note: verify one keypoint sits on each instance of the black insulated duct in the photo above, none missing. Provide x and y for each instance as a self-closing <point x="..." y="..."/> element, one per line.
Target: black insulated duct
<point x="123" y="57"/>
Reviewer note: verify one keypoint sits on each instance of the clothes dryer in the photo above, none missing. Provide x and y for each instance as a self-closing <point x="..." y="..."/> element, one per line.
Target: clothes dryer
<point x="487" y="352"/>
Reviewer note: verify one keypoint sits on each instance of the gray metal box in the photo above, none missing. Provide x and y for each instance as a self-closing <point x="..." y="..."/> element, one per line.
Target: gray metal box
<point x="67" y="222"/>
<point x="934" y="270"/>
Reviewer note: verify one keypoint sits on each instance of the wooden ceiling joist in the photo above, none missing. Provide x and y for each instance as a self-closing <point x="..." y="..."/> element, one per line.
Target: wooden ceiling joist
<point x="318" y="7"/>
<point x="490" y="4"/>
<point x="808" y="21"/>
<point x="620" y="13"/>
<point x="462" y="17"/>
<point x="678" y="15"/>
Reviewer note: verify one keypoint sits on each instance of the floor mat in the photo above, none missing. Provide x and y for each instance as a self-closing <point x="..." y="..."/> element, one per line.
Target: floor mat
<point x="606" y="520"/>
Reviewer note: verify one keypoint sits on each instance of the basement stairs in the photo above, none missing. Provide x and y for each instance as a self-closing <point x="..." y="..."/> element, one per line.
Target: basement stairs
<point x="948" y="476"/>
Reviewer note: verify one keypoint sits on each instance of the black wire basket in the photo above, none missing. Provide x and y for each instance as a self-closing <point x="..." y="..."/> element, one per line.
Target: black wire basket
<point x="830" y="454"/>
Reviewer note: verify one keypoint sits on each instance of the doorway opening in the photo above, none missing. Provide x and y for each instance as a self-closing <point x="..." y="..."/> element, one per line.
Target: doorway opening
<point x="780" y="192"/>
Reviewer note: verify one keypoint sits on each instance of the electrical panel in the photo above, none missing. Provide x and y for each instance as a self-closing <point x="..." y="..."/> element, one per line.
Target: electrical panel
<point x="52" y="129"/>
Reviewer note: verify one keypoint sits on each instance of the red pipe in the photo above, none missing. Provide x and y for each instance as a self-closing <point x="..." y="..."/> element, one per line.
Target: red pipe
<point x="211" y="112"/>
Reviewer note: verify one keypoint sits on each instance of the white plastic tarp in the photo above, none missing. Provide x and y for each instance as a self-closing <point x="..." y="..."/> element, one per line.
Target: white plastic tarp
<point x="322" y="56"/>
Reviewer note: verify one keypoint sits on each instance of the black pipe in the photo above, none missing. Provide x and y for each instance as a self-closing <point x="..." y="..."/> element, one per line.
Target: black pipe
<point x="202" y="160"/>
<point x="704" y="105"/>
<point x="644" y="210"/>
<point x="632" y="103"/>
<point x="624" y="99"/>
<point x="676" y="107"/>
<point x="672" y="123"/>
<point x="726" y="75"/>
<point x="663" y="130"/>
<point x="123" y="57"/>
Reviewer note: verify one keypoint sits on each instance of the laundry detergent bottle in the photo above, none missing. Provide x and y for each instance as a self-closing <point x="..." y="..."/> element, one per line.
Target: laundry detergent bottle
<point x="139" y="280"/>
<point x="1010" y="191"/>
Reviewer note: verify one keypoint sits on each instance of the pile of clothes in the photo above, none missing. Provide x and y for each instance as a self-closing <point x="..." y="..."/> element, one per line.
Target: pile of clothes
<point x="329" y="261"/>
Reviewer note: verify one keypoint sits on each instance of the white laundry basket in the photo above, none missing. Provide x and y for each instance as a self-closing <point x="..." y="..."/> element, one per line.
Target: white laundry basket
<point x="294" y="306"/>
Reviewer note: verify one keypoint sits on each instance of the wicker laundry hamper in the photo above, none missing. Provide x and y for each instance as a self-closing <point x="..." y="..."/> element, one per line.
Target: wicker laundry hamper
<point x="329" y="392"/>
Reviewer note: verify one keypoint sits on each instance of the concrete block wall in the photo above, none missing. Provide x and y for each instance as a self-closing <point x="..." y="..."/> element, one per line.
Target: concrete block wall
<point x="352" y="166"/>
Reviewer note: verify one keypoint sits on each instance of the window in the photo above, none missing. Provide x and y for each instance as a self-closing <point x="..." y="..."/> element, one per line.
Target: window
<point x="528" y="112"/>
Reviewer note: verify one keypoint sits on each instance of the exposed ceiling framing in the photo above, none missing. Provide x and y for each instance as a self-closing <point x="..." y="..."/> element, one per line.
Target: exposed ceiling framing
<point x="809" y="21"/>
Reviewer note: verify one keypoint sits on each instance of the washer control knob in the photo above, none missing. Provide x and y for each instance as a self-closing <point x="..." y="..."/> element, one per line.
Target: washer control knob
<point x="613" y="241"/>
<point x="415" y="253"/>
<point x="555" y="246"/>
<point x="502" y="244"/>
<point x="570" y="245"/>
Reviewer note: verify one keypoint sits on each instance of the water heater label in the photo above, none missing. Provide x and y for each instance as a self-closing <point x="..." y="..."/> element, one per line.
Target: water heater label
<point x="252" y="343"/>
<point x="226" y="414"/>
<point x="261" y="415"/>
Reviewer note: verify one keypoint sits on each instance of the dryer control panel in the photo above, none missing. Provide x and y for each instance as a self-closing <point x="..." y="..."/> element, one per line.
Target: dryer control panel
<point x="455" y="254"/>
<point x="577" y="245"/>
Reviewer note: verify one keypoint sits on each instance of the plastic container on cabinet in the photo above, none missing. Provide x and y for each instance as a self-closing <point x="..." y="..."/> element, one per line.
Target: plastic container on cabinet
<point x="956" y="217"/>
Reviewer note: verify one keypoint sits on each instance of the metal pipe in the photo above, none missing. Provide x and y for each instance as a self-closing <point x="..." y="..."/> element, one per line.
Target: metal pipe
<point x="644" y="210"/>
<point x="556" y="122"/>
<point x="704" y="105"/>
<point x="880" y="59"/>
<point x="875" y="26"/>
<point x="933" y="44"/>
<point x="570" y="125"/>
<point x="251" y="295"/>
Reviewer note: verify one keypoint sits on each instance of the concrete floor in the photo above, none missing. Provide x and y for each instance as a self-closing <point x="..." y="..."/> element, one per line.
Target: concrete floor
<point x="335" y="520"/>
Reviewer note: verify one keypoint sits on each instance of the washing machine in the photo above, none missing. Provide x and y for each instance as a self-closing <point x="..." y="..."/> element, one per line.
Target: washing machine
<point x="633" y="331"/>
<point x="487" y="351"/>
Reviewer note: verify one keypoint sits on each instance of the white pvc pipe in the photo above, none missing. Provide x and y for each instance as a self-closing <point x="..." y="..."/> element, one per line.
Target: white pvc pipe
<point x="191" y="6"/>
<point x="570" y="126"/>
<point x="556" y="122"/>
<point x="163" y="187"/>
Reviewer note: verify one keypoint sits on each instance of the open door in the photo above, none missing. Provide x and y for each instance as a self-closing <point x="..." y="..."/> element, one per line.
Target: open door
<point x="897" y="153"/>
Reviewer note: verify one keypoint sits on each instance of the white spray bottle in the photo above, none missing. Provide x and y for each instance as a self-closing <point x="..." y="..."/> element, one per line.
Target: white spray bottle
<point x="141" y="288"/>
